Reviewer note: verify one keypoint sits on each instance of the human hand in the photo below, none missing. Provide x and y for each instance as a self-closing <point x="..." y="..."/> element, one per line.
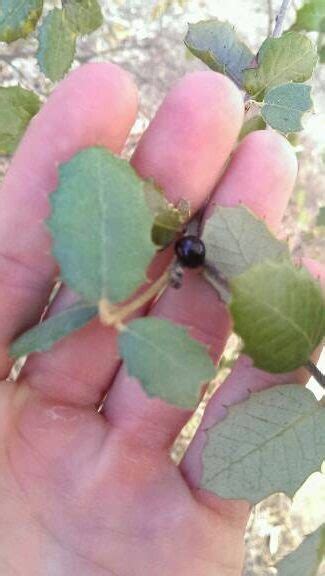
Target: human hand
<point x="97" y="494"/>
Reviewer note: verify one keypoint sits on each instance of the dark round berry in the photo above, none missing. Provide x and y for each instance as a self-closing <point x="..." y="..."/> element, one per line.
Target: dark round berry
<point x="190" y="251"/>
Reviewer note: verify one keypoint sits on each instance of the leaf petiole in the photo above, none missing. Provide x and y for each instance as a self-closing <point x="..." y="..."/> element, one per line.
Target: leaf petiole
<point x="111" y="315"/>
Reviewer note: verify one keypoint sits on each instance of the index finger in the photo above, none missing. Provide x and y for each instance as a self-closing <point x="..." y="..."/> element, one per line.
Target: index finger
<point x="95" y="105"/>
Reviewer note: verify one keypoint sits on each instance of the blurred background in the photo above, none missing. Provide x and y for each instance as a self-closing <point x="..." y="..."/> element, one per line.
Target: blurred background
<point x="146" y="38"/>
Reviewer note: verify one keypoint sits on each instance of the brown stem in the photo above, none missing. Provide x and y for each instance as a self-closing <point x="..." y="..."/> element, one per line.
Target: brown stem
<point x="316" y="373"/>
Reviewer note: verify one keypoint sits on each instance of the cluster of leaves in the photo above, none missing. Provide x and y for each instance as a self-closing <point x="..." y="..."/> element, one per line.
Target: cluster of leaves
<point x="57" y="36"/>
<point x="277" y="309"/>
<point x="274" y="80"/>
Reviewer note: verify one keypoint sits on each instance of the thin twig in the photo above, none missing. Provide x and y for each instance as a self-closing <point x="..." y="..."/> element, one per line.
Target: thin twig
<point x="270" y="17"/>
<point x="280" y="19"/>
<point x="316" y="373"/>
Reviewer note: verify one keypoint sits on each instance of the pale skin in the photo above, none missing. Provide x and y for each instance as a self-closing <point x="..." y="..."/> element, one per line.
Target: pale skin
<point x="97" y="494"/>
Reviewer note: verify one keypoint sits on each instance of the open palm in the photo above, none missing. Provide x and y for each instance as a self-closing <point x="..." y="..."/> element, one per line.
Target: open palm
<point x="97" y="494"/>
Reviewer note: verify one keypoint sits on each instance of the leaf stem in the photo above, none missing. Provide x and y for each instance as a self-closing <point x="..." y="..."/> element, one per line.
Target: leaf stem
<point x="316" y="373"/>
<point x="280" y="19"/>
<point x="111" y="315"/>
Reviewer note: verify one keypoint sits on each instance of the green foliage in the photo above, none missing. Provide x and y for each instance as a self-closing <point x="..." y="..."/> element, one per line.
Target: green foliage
<point x="101" y="226"/>
<point x="321" y="54"/>
<point x="285" y="105"/>
<point x="18" y="18"/>
<point x="290" y="58"/>
<point x="307" y="558"/>
<point x="235" y="239"/>
<point x="269" y="443"/>
<point x="279" y="312"/>
<point x="17" y="107"/>
<point x="44" y="335"/>
<point x="251" y="125"/>
<point x="84" y="16"/>
<point x="57" y="45"/>
<point x="218" y="46"/>
<point x="311" y="16"/>
<point x="168" y="220"/>
<point x="320" y="220"/>
<point x="166" y="360"/>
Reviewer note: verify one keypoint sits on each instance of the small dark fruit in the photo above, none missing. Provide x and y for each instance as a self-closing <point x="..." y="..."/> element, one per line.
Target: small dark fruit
<point x="190" y="251"/>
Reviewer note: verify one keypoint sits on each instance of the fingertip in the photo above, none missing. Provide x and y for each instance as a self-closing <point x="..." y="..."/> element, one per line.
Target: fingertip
<point x="261" y="176"/>
<point x="191" y="136"/>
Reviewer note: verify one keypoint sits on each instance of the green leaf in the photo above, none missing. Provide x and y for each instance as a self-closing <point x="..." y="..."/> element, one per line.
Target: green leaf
<point x="311" y="16"/>
<point x="290" y="58"/>
<point x="251" y="125"/>
<point x="285" y="105"/>
<point x="44" y="335"/>
<point x="84" y="16"/>
<point x="235" y="239"/>
<point x="217" y="45"/>
<point x="101" y="226"/>
<point x="17" y="107"/>
<point x="307" y="558"/>
<point x="168" y="220"/>
<point x="279" y="312"/>
<point x="168" y="363"/>
<point x="57" y="45"/>
<point x="269" y="443"/>
<point x="320" y="220"/>
<point x="321" y="54"/>
<point x="18" y="18"/>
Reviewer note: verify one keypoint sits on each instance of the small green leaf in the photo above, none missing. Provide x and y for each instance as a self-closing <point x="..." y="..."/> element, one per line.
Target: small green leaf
<point x="57" y="45"/>
<point x="251" y="125"/>
<point x="84" y="16"/>
<point x="44" y="335"/>
<point x="279" y="312"/>
<point x="217" y="45"/>
<point x="168" y="363"/>
<point x="311" y="16"/>
<point x="320" y="220"/>
<point x="269" y="443"/>
<point x="290" y="58"/>
<point x="285" y="105"/>
<point x="235" y="239"/>
<point x="18" y="18"/>
<point x="101" y="226"/>
<point x="307" y="558"/>
<point x="169" y="220"/>
<point x="17" y="107"/>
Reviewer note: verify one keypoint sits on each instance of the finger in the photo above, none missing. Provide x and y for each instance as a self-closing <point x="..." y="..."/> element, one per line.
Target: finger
<point x="95" y="105"/>
<point x="184" y="150"/>
<point x="196" y="304"/>
<point x="243" y="380"/>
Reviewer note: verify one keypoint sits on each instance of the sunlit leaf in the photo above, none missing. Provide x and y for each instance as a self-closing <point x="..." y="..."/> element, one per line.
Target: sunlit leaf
<point x="18" y="18"/>
<point x="57" y="45"/>
<point x="17" y="107"/>
<point x="217" y="45"/>
<point x="285" y="105"/>
<point x="44" y="335"/>
<point x="269" y="443"/>
<point x="290" y="58"/>
<point x="101" y="226"/>
<point x="168" y="363"/>
<point x="279" y="312"/>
